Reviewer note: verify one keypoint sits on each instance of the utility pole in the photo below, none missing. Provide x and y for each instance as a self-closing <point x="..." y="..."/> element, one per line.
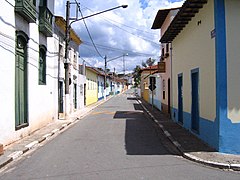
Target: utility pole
<point x="105" y="78"/>
<point x="114" y="82"/>
<point x="123" y="65"/>
<point x="66" y="63"/>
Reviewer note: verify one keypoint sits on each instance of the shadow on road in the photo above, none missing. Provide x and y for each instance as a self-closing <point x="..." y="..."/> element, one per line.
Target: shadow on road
<point x="141" y="137"/>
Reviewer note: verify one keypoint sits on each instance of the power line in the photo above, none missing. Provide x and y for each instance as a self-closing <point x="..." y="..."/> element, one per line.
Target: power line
<point x="107" y="19"/>
<point x="117" y="49"/>
<point x="85" y="24"/>
<point x="86" y="62"/>
<point x="140" y="37"/>
<point x="143" y="38"/>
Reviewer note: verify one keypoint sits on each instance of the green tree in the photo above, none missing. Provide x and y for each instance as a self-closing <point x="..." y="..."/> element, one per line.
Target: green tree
<point x="137" y="76"/>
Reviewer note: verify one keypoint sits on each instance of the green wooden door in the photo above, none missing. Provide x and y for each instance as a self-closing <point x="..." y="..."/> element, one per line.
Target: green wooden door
<point x="21" y="109"/>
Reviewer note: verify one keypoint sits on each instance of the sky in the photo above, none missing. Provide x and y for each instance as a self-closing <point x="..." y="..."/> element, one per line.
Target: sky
<point x="124" y="32"/>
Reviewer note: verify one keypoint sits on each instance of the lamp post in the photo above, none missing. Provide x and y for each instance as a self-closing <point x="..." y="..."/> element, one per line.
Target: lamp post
<point x="67" y="41"/>
<point x="105" y="71"/>
<point x="124" y="63"/>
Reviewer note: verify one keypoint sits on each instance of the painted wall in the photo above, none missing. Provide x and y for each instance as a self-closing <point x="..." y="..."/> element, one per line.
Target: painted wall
<point x="144" y="86"/>
<point x="168" y="20"/>
<point x="233" y="59"/>
<point x="165" y="77"/>
<point x="81" y="82"/>
<point x="228" y="75"/>
<point x="91" y="87"/>
<point x="41" y="98"/>
<point x="100" y="87"/>
<point x="73" y="55"/>
<point x="157" y="93"/>
<point x="194" y="48"/>
<point x="108" y="89"/>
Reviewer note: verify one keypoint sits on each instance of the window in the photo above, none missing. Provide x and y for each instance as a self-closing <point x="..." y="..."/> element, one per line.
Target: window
<point x="42" y="65"/>
<point x="162" y="51"/>
<point x="167" y="48"/>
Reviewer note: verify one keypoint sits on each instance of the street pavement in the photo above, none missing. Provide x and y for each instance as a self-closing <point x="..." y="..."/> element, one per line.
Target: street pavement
<point x="116" y="139"/>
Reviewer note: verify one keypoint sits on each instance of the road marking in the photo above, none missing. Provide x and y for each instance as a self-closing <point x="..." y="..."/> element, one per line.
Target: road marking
<point x="103" y="112"/>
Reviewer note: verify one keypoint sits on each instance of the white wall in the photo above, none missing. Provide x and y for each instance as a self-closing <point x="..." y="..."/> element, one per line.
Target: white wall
<point x="7" y="71"/>
<point x="100" y="86"/>
<point x="233" y="59"/>
<point x="81" y="82"/>
<point x="41" y="98"/>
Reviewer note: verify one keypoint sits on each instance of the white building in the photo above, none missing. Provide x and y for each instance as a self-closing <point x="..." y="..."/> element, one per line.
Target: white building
<point x="66" y="106"/>
<point x="28" y="70"/>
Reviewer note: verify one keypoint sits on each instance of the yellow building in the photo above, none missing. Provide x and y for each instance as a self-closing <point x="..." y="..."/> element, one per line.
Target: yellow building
<point x="91" y="86"/>
<point x="145" y="73"/>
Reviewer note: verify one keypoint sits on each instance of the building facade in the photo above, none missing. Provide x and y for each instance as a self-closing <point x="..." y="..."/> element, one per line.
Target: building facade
<point x="145" y="81"/>
<point x="162" y="20"/>
<point x="68" y="105"/>
<point x="91" y="86"/>
<point x="28" y="72"/>
<point x="204" y="39"/>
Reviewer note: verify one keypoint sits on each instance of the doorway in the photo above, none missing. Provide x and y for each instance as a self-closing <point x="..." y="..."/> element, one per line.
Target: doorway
<point x="169" y="96"/>
<point x="60" y="97"/>
<point x="195" y="100"/>
<point x="21" y="81"/>
<point x="180" y="98"/>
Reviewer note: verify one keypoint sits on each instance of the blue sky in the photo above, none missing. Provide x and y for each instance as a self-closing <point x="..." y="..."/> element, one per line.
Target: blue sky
<point x="118" y="32"/>
<point x="144" y="4"/>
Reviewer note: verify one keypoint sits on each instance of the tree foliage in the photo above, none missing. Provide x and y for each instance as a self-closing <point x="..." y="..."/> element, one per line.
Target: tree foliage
<point x="137" y="76"/>
<point x="148" y="62"/>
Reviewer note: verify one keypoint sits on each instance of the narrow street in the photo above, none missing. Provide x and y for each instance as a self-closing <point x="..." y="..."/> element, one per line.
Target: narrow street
<point x="115" y="141"/>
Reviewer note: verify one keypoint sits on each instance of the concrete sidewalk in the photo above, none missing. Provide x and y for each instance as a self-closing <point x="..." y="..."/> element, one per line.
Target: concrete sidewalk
<point x="22" y="146"/>
<point x="188" y="144"/>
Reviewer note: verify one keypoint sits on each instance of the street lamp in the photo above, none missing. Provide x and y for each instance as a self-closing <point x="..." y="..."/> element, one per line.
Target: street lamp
<point x="105" y="71"/>
<point x="67" y="41"/>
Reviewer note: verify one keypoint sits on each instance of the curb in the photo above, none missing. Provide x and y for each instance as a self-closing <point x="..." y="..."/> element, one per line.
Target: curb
<point x="7" y="159"/>
<point x="235" y="167"/>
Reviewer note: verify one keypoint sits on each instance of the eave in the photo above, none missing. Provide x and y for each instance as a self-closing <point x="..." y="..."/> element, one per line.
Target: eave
<point x="160" y="18"/>
<point x="189" y="9"/>
<point x="60" y="22"/>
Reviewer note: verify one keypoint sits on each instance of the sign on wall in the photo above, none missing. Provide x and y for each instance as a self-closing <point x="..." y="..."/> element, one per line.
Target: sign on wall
<point x="161" y="67"/>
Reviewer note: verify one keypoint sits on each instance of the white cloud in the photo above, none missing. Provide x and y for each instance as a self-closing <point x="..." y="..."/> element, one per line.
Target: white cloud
<point x="119" y="31"/>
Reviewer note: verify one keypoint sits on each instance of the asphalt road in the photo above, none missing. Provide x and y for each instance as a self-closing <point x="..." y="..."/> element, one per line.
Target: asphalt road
<point x="115" y="141"/>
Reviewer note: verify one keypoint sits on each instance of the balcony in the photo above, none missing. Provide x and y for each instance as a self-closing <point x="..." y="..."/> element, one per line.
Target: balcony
<point x="45" y="21"/>
<point x="27" y="9"/>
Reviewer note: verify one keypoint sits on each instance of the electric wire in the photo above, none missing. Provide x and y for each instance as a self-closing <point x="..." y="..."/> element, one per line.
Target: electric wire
<point x="140" y="30"/>
<point x="117" y="49"/>
<point x="143" y="38"/>
<point x="85" y="24"/>
<point x="111" y="48"/>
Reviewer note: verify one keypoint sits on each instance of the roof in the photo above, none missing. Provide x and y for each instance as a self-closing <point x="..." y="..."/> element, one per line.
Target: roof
<point x="60" y="21"/>
<point x="183" y="17"/>
<point x="154" y="67"/>
<point x="160" y="17"/>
